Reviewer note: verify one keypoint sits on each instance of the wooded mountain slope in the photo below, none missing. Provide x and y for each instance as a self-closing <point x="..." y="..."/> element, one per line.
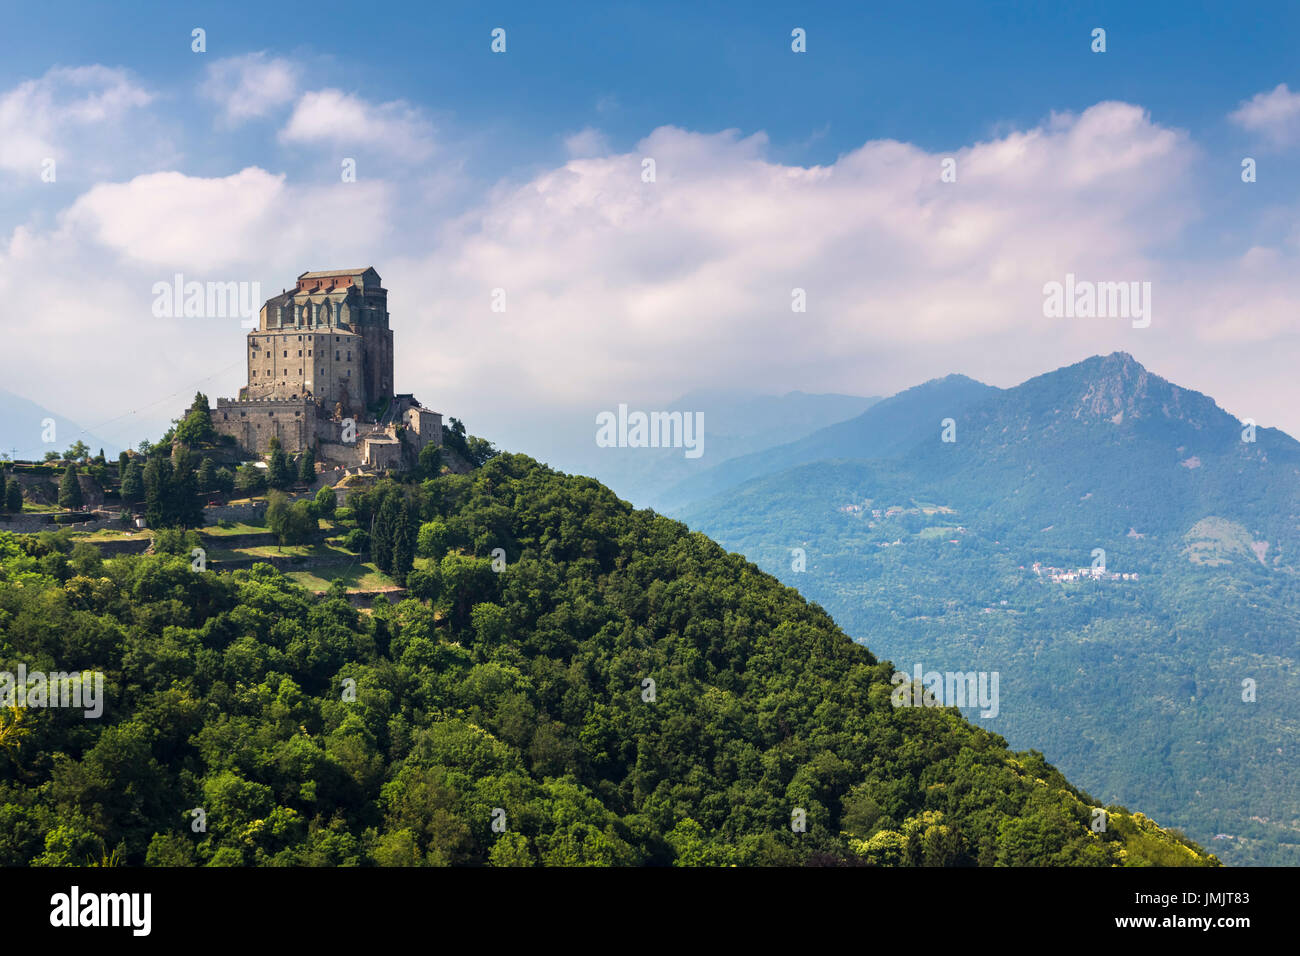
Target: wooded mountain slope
<point x="516" y="696"/>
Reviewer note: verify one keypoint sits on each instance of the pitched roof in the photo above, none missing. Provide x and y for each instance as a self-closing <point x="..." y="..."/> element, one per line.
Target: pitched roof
<point x="332" y="273"/>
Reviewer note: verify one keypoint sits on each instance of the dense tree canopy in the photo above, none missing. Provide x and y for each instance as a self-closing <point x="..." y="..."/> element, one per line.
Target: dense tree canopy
<point x="616" y="690"/>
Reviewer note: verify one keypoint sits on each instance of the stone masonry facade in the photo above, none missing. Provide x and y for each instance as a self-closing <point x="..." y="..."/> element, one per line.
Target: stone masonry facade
<point x="320" y="375"/>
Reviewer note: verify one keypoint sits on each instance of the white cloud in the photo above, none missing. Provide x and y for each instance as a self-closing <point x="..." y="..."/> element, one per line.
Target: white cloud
<point x="250" y="86"/>
<point x="586" y="142"/>
<point x="249" y="219"/>
<point x="619" y="290"/>
<point x="342" y="119"/>
<point x="64" y="115"/>
<point x="97" y="351"/>
<point x="616" y="286"/>
<point x="1275" y="115"/>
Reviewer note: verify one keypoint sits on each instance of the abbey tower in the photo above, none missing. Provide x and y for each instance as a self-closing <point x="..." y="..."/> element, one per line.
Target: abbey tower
<point x="326" y="340"/>
<point x="320" y="375"/>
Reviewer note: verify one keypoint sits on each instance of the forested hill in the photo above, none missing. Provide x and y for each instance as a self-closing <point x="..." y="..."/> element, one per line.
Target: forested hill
<point x="310" y="733"/>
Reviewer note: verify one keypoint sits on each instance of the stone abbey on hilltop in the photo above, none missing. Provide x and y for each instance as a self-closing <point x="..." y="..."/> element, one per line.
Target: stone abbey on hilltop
<point x="320" y="375"/>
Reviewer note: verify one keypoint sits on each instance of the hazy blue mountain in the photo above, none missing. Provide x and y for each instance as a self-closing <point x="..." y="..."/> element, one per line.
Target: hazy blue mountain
<point x="735" y="423"/>
<point x="1133" y="683"/>
<point x="22" y="428"/>
<point x="887" y="429"/>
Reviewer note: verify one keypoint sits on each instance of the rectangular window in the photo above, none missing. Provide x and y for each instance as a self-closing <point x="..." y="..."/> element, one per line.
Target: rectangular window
<point x="349" y="355"/>
<point x="286" y="353"/>
<point x="309" y="353"/>
<point x="336" y="355"/>
<point x="300" y="353"/>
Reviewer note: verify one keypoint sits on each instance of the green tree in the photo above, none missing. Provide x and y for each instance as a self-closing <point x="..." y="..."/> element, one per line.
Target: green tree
<point x="326" y="502"/>
<point x="122" y="461"/>
<point x="301" y="524"/>
<point x="196" y="427"/>
<point x="78" y="451"/>
<point x="430" y="461"/>
<point x="292" y="523"/>
<point x="250" y="480"/>
<point x="70" y="489"/>
<point x="403" y="544"/>
<point x="132" y="483"/>
<point x="279" y="474"/>
<point x="183" y="494"/>
<point x="14" y="496"/>
<point x="382" y="531"/>
<point x="307" y="466"/>
<point x="277" y="512"/>
<point x="465" y="581"/>
<point x="432" y="540"/>
<point x="207" y="476"/>
<point x="158" y="511"/>
<point x="224" y="481"/>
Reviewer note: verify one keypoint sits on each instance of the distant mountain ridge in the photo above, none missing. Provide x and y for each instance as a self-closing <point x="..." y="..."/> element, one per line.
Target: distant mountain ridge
<point x="967" y="554"/>
<point x="736" y="423"/>
<point x="22" y="430"/>
<point x="886" y="430"/>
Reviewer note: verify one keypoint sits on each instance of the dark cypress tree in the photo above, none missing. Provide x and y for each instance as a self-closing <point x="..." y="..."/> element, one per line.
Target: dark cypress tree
<point x="14" y="497"/>
<point x="404" y="528"/>
<point x="158" y="512"/>
<point x="279" y="474"/>
<point x="4" y="492"/>
<point x="207" y="475"/>
<point x="381" y="537"/>
<point x="122" y="461"/>
<point x="70" y="489"/>
<point x="307" y="466"/>
<point x="132" y="483"/>
<point x="184" y="507"/>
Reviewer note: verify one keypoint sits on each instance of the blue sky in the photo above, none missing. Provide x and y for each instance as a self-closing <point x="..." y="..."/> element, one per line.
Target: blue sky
<point x="951" y="75"/>
<point x="448" y="207"/>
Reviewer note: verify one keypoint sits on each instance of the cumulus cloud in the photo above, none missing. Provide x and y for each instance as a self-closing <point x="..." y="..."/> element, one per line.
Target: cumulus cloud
<point x="1275" y="115"/>
<point x="586" y="142"/>
<point x="98" y="346"/>
<point x="331" y="116"/>
<point x="617" y="286"/>
<point x="63" y="115"/>
<point x="619" y="289"/>
<point x="251" y="217"/>
<point x="250" y="86"/>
